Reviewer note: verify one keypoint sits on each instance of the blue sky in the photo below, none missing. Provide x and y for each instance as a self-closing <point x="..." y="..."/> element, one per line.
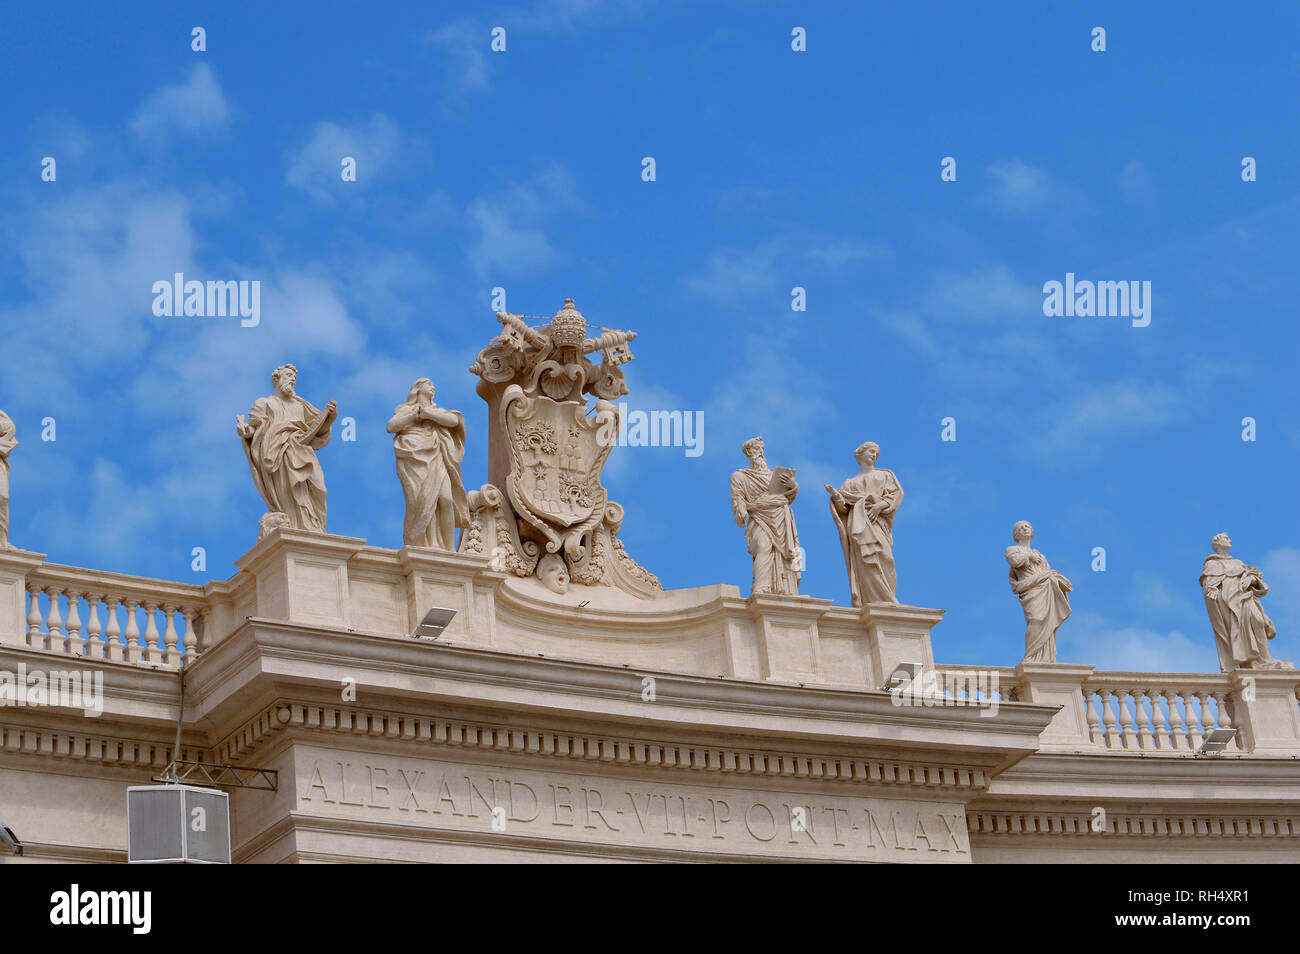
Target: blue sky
<point x="775" y="168"/>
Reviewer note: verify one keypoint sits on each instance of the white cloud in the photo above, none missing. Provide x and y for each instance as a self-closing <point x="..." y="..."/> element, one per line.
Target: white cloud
<point x="509" y="224"/>
<point x="766" y="389"/>
<point x="193" y="106"/>
<point x="89" y="261"/>
<point x="316" y="166"/>
<point x="1281" y="569"/>
<point x="1093" y="640"/>
<point x="1103" y="411"/>
<point x="771" y="268"/>
<point x="1019" y="187"/>
<point x="734" y="275"/>
<point x="991" y="297"/>
<point x="1154" y="592"/>
<point x="465" y="45"/>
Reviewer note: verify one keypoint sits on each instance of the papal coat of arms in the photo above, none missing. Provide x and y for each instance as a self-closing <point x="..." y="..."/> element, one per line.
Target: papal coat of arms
<point x="554" y="518"/>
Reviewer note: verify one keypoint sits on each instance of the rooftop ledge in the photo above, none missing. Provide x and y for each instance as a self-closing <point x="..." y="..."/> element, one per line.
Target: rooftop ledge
<point x="755" y="648"/>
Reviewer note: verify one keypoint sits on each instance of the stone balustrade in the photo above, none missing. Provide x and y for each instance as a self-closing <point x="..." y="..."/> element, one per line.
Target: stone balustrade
<point x="1147" y="712"/>
<point x="110" y="616"/>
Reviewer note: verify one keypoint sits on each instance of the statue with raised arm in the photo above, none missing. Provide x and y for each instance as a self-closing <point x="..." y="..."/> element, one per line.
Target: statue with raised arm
<point x="1241" y="627"/>
<point x="7" y="443"/>
<point x="280" y="438"/>
<point x="429" y="442"/>
<point x="863" y="509"/>
<point x="760" y="500"/>
<point x="1043" y="594"/>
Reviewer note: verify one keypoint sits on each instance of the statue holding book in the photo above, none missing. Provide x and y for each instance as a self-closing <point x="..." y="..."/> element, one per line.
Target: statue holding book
<point x="760" y="500"/>
<point x="280" y="438"/>
<point x="863" y="509"/>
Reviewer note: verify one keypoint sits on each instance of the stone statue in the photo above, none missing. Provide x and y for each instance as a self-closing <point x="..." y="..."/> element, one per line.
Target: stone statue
<point x="1241" y="627"/>
<point x="546" y="449"/>
<point x="760" y="499"/>
<point x="429" y="442"/>
<point x="281" y="437"/>
<point x="7" y="443"/>
<point x="863" y="509"/>
<point x="1042" y="593"/>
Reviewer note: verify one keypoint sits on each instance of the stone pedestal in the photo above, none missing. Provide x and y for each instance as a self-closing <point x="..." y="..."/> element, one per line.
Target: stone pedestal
<point x="898" y="633"/>
<point x="787" y="636"/>
<point x="452" y="581"/>
<point x="1057" y="684"/>
<point x="14" y="567"/>
<point x="302" y="577"/>
<point x="1265" y="710"/>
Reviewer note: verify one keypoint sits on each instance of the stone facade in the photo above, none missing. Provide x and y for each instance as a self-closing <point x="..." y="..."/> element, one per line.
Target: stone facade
<point x="698" y="726"/>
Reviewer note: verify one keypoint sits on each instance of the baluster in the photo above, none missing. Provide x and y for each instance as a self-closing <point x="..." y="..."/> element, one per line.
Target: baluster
<point x="1194" y="735"/>
<point x="1177" y="740"/>
<point x="132" y="633"/>
<point x="54" y="621"/>
<point x="1146" y="741"/>
<point x="1111" y="723"/>
<point x="1225" y="718"/>
<point x="94" y="644"/>
<point x="170" y="656"/>
<point x="113" y="632"/>
<point x="1207" y="714"/>
<point x="1158" y="731"/>
<point x="1126" y="720"/>
<point x="1090" y="706"/>
<point x="191" y="637"/>
<point x="34" y="620"/>
<point x="75" y="641"/>
<point x="152" y="647"/>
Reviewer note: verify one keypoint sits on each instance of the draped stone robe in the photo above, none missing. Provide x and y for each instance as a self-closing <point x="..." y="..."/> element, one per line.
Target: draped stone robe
<point x="428" y="466"/>
<point x="1042" y="593"/>
<point x="7" y="443"/>
<point x="770" y="531"/>
<point x="283" y="459"/>
<point x="1241" y="627"/>
<point x="868" y="544"/>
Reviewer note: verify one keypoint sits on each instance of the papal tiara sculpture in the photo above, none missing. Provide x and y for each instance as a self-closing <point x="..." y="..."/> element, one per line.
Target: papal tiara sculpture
<point x="544" y="511"/>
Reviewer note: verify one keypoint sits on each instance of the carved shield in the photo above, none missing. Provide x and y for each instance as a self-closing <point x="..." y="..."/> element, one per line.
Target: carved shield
<point x="556" y="454"/>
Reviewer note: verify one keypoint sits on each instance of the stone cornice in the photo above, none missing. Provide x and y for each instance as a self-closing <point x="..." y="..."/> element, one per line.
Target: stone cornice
<point x="1151" y="780"/>
<point x="131" y="691"/>
<point x="401" y="673"/>
<point x="1214" y="823"/>
<point x="35" y="852"/>
<point x="114" y="746"/>
<point x="306" y="720"/>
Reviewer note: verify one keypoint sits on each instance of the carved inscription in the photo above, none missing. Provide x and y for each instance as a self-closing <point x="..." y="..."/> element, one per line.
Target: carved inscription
<point x="612" y="811"/>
